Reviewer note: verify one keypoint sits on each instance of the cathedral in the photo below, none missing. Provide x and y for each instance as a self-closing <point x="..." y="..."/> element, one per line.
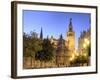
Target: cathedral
<point x="65" y="47"/>
<point x="70" y="38"/>
<point x="64" y="50"/>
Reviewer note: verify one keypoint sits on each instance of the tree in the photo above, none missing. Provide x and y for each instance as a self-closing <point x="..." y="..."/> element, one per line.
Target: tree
<point x="31" y="45"/>
<point x="26" y="47"/>
<point x="81" y="59"/>
<point x="33" y="34"/>
<point x="47" y="52"/>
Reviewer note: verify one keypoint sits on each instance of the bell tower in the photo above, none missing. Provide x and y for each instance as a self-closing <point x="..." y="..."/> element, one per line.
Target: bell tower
<point x="70" y="37"/>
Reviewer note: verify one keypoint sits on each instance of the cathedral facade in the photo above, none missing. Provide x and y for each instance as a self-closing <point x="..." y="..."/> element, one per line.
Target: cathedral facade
<point x="64" y="51"/>
<point x="65" y="47"/>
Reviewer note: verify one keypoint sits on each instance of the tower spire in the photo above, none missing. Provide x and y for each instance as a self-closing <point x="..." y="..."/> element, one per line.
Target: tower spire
<point x="41" y="34"/>
<point x="70" y="25"/>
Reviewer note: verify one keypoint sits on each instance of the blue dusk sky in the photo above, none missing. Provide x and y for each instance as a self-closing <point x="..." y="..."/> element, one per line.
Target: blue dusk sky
<point x="55" y="23"/>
